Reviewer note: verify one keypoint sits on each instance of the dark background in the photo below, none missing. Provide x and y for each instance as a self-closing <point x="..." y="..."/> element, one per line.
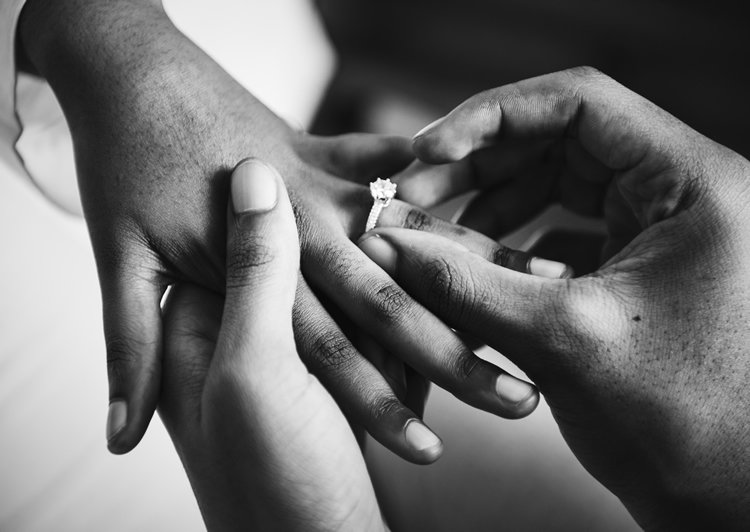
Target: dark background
<point x="688" y="57"/>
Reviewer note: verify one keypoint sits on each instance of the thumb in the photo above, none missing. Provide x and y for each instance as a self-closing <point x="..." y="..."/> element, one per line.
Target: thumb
<point x="654" y="156"/>
<point x="262" y="269"/>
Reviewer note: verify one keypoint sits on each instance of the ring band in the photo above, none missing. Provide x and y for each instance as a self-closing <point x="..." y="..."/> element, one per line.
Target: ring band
<point x="382" y="191"/>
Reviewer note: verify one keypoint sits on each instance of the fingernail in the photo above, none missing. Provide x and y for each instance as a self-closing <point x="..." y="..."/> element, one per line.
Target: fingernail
<point x="380" y="251"/>
<point x="428" y="127"/>
<point x="549" y="268"/>
<point x="421" y="439"/>
<point x="254" y="187"/>
<point x="512" y="390"/>
<point x="117" y="417"/>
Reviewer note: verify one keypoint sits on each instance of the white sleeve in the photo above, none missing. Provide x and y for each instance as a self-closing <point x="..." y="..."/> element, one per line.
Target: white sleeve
<point x="10" y="129"/>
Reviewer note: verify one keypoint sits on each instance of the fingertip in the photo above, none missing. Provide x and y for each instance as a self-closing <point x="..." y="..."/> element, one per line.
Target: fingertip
<point x="429" y="128"/>
<point x="425" y="445"/>
<point x="117" y="447"/>
<point x="254" y="187"/>
<point x="124" y="440"/>
<point x="117" y="418"/>
<point x="526" y="407"/>
<point x="549" y="268"/>
<point x="518" y="398"/>
<point x="125" y="425"/>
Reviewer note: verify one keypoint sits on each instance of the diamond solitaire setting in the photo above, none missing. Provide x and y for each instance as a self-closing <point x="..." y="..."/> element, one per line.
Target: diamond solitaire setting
<point x="383" y="191"/>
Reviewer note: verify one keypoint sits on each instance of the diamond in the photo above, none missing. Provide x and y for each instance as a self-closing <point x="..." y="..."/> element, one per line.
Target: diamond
<point x="383" y="190"/>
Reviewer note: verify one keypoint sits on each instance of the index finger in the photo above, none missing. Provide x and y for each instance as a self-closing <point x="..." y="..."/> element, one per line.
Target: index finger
<point x="617" y="126"/>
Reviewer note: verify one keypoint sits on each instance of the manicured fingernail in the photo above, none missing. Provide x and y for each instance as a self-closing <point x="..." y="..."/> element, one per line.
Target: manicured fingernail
<point x="117" y="417"/>
<point x="512" y="390"/>
<point x="380" y="251"/>
<point x="421" y="439"/>
<point x="254" y="187"/>
<point x="549" y="268"/>
<point x="428" y="127"/>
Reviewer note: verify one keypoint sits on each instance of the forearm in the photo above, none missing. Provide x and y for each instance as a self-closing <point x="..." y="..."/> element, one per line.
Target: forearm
<point x="124" y="58"/>
<point x="86" y="40"/>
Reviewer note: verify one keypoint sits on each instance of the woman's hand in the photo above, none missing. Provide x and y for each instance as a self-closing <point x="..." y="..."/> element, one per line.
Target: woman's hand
<point x="156" y="126"/>
<point x="263" y="443"/>
<point x="645" y="362"/>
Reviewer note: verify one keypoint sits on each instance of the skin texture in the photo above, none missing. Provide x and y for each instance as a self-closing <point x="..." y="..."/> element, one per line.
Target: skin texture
<point x="157" y="126"/>
<point x="645" y="362"/>
<point x="263" y="443"/>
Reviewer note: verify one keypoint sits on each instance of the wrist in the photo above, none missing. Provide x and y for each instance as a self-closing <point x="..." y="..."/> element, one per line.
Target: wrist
<point x="88" y="47"/>
<point x="48" y="29"/>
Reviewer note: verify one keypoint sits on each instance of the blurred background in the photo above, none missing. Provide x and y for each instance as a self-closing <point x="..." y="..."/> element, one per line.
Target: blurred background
<point x="330" y="66"/>
<point x="399" y="60"/>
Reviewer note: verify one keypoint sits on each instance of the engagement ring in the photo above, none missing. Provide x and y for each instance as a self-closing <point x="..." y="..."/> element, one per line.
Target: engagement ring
<point x="383" y="191"/>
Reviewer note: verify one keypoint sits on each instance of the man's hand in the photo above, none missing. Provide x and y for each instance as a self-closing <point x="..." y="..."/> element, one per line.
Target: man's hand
<point x="263" y="443"/>
<point x="645" y="362"/>
<point x="156" y="126"/>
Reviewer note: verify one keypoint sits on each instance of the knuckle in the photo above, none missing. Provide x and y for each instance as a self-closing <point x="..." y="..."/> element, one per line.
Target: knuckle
<point x="490" y="105"/>
<point x="382" y="408"/>
<point x="572" y="305"/>
<point x="390" y="303"/>
<point x="463" y="364"/>
<point x="460" y="366"/>
<point x="249" y="253"/>
<point x="450" y="294"/>
<point x="583" y="318"/>
<point x="338" y="262"/>
<point x="588" y="82"/>
<point x="586" y="73"/>
<point x="329" y="351"/>
<point x="122" y="358"/>
<point x="468" y="364"/>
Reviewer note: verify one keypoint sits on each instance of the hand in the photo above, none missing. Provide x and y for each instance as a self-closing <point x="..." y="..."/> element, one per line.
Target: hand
<point x="263" y="443"/>
<point x="156" y="126"/>
<point x="644" y="362"/>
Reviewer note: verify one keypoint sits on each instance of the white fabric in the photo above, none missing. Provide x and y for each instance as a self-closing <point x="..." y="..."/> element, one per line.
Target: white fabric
<point x="9" y="127"/>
